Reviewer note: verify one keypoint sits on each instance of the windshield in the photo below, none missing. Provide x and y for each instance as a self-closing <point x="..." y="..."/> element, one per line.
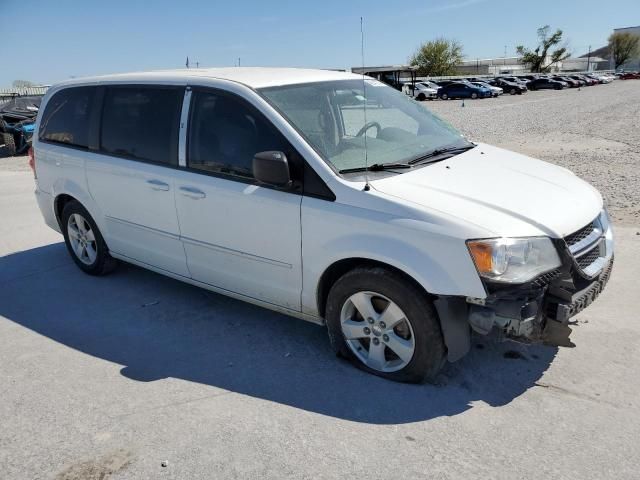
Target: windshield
<point x="331" y="117"/>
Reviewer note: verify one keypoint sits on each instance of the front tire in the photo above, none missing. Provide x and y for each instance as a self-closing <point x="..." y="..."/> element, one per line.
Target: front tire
<point x="385" y="325"/>
<point x="513" y="91"/>
<point x="474" y="96"/>
<point x="444" y="96"/>
<point x="84" y="241"/>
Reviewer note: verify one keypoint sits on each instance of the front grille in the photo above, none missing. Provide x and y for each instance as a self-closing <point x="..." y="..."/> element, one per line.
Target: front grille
<point x="588" y="258"/>
<point x="581" y="234"/>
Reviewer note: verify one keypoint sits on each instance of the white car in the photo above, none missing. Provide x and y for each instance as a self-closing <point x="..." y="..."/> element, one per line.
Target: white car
<point x="421" y="90"/>
<point x="495" y="91"/>
<point x="268" y="185"/>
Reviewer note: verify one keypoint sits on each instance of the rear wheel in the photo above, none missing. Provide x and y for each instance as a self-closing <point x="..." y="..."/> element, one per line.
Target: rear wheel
<point x="84" y="241"/>
<point x="385" y="325"/>
<point x="9" y="148"/>
<point x="474" y="95"/>
<point x="444" y="96"/>
<point x="421" y="97"/>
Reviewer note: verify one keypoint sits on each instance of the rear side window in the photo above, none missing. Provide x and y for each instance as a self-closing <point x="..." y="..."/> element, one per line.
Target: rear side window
<point x="141" y="123"/>
<point x="66" y="117"/>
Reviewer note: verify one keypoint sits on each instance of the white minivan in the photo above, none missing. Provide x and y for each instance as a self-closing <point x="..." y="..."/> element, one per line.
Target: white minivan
<point x="323" y="195"/>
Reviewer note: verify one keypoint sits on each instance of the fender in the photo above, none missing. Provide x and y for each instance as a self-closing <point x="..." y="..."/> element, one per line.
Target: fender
<point x="430" y="271"/>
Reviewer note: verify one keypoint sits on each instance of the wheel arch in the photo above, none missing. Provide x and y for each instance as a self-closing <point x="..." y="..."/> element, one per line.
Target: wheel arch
<point x="338" y="268"/>
<point x="451" y="311"/>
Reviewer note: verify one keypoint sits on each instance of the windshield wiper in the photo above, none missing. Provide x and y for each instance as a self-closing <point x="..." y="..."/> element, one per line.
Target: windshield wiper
<point x="441" y="151"/>
<point x="377" y="167"/>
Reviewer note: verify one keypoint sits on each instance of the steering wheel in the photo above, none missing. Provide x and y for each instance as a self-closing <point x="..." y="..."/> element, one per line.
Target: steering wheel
<point x="367" y="126"/>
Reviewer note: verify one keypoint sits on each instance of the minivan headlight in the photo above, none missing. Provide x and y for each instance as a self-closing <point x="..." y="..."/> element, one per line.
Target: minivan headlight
<point x="513" y="260"/>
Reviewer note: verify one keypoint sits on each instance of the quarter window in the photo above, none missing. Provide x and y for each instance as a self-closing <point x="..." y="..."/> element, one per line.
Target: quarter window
<point x="141" y="123"/>
<point x="66" y="117"/>
<point x="225" y="133"/>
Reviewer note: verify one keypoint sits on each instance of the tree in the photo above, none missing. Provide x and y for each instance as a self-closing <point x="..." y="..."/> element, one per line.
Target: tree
<point x="22" y="83"/>
<point x="540" y="60"/>
<point x="623" y="46"/>
<point x="437" y="57"/>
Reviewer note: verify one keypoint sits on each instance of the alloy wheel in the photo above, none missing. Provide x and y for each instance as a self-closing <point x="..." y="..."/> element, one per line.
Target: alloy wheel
<point x="377" y="331"/>
<point x="82" y="239"/>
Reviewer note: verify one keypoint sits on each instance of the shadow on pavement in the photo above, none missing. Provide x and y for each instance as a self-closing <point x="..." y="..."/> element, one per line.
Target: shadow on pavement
<point x="158" y="327"/>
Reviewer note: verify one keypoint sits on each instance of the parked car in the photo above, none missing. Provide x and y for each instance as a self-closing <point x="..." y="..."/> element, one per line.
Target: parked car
<point x="258" y="183"/>
<point x="630" y="76"/>
<point x="17" y="119"/>
<point x="600" y="78"/>
<point x="463" y="90"/>
<point x="514" y="79"/>
<point x="509" y="87"/>
<point x="582" y="81"/>
<point x="569" y="81"/>
<point x="546" y="83"/>
<point x="420" y="91"/>
<point x="495" y="91"/>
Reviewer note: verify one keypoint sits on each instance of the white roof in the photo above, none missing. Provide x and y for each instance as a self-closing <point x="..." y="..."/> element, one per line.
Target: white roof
<point x="254" y="77"/>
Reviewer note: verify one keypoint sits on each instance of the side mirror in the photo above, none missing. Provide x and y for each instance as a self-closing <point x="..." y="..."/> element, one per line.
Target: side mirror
<point x="272" y="167"/>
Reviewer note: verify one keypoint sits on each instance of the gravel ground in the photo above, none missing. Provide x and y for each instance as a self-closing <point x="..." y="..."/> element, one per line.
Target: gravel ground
<point x="594" y="131"/>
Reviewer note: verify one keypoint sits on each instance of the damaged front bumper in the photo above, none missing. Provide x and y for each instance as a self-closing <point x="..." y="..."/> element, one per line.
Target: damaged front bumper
<point x="522" y="311"/>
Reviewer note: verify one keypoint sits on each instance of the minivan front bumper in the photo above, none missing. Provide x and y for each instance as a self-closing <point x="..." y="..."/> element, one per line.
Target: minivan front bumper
<point x="522" y="310"/>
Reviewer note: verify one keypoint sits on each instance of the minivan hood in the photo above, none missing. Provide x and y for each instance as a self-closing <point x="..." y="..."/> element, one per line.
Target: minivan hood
<point x="503" y="192"/>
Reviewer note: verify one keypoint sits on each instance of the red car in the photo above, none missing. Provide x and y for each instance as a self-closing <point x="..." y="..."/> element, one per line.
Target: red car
<point x="630" y="76"/>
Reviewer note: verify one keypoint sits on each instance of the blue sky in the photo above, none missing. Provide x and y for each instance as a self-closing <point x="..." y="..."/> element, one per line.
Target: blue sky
<point x="56" y="39"/>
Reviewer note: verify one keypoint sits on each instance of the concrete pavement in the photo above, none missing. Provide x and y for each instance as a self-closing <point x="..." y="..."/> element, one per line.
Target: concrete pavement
<point x="109" y="377"/>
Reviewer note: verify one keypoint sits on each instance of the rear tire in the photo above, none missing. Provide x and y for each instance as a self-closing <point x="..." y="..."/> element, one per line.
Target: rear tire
<point x="84" y="241"/>
<point x="9" y="148"/>
<point x="421" y="97"/>
<point x="444" y="96"/>
<point x="372" y="344"/>
<point x="474" y="95"/>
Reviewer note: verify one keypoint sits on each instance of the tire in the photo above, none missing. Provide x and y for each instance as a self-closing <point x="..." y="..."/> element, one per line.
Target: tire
<point x="444" y="96"/>
<point x="80" y="229"/>
<point x="474" y="95"/>
<point x="9" y="148"/>
<point x="513" y="91"/>
<point x="421" y="97"/>
<point x="416" y="336"/>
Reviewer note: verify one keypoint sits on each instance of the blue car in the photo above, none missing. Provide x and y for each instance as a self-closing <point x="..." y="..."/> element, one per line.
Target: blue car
<point x="463" y="90"/>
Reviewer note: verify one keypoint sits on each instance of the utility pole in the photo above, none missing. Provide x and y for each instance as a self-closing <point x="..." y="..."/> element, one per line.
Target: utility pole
<point x="589" y="60"/>
<point x="504" y="59"/>
<point x="238" y="61"/>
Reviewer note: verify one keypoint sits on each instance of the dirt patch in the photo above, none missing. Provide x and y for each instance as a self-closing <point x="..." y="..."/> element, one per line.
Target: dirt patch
<point x="99" y="468"/>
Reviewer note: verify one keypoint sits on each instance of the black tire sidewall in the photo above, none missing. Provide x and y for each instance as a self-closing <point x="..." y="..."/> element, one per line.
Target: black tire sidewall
<point x="430" y="350"/>
<point x="103" y="262"/>
<point x="9" y="144"/>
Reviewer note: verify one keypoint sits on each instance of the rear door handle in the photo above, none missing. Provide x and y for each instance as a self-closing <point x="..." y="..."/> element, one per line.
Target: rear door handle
<point x="192" y="192"/>
<point x="158" y="185"/>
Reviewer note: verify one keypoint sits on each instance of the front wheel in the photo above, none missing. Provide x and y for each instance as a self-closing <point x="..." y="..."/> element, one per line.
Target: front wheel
<point x="513" y="91"/>
<point x="444" y="96"/>
<point x="84" y="241"/>
<point x="474" y="95"/>
<point x="385" y="325"/>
